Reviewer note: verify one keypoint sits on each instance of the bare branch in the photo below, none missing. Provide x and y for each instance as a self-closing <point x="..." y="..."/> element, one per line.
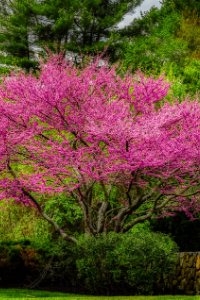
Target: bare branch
<point x="102" y="216"/>
<point x="129" y="188"/>
<point x="141" y="219"/>
<point x="155" y="208"/>
<point x="113" y="209"/>
<point x="104" y="190"/>
<point x="86" y="213"/>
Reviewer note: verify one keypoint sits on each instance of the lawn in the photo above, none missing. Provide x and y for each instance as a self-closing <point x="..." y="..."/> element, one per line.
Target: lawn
<point x="26" y="294"/>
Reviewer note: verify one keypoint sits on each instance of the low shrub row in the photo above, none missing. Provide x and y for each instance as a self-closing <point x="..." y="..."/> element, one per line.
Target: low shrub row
<point x="100" y="263"/>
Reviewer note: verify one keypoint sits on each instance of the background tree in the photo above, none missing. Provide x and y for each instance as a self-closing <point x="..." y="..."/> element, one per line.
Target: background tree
<point x="16" y="21"/>
<point x="79" y="26"/>
<point x="159" y="25"/>
<point x="189" y="31"/>
<point x="166" y="53"/>
<point x="180" y="5"/>
<point x="86" y="26"/>
<point x="156" y="16"/>
<point x="147" y="20"/>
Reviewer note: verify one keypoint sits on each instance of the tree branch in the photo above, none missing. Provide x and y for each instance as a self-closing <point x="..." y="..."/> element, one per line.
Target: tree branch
<point x="56" y="227"/>
<point x="87" y="215"/>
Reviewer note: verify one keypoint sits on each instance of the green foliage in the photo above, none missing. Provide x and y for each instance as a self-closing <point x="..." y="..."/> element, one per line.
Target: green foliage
<point x="78" y="26"/>
<point x="17" y="221"/>
<point x="191" y="77"/>
<point x="41" y="230"/>
<point x="147" y="20"/>
<point x="16" y="21"/>
<point x="13" y="248"/>
<point x="114" y="197"/>
<point x="68" y="214"/>
<point x="100" y="264"/>
<point x="65" y="212"/>
<point x="64" y="264"/>
<point x="171" y="56"/>
<point x="189" y="31"/>
<point x="161" y="43"/>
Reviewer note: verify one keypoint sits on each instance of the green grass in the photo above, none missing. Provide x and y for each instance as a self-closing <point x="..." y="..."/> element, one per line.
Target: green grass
<point x="22" y="294"/>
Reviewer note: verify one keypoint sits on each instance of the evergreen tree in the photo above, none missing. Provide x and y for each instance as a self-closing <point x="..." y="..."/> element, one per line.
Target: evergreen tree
<point x="180" y="5"/>
<point x="79" y="26"/>
<point x="76" y="25"/>
<point x="83" y="26"/>
<point x="16" y="21"/>
<point x="183" y="28"/>
<point x="149" y="18"/>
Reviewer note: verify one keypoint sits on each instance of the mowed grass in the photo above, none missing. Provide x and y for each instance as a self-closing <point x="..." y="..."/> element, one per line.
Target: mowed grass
<point x="34" y="294"/>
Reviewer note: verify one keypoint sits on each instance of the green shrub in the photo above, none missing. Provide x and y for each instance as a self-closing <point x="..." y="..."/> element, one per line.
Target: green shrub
<point x="13" y="249"/>
<point x="64" y="263"/>
<point x="125" y="258"/>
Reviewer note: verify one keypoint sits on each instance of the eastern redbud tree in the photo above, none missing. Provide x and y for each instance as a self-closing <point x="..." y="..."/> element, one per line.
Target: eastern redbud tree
<point x="76" y="128"/>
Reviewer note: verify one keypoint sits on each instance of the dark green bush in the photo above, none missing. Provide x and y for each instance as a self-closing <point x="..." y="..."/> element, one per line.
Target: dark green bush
<point x="64" y="264"/>
<point x="125" y="258"/>
<point x="44" y="248"/>
<point x="12" y="251"/>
